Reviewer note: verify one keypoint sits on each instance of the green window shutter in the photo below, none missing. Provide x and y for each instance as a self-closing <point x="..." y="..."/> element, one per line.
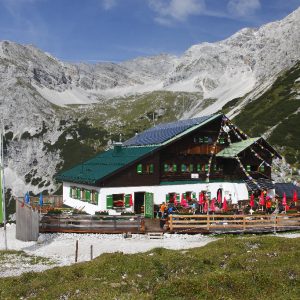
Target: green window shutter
<point x="191" y="167"/>
<point x="78" y="194"/>
<point x="178" y="197"/>
<point x="262" y="168"/>
<point x="151" y="168"/>
<point x="174" y="168"/>
<point x="167" y="198"/>
<point x="198" y="168"/>
<point x="248" y="168"/>
<point x="109" y="201"/>
<point x="206" y="167"/>
<point x="139" y="168"/>
<point x="194" y="196"/>
<point x="206" y="139"/>
<point x="166" y="167"/>
<point x="222" y="141"/>
<point x="201" y="140"/>
<point x="71" y="192"/>
<point x="96" y="201"/>
<point x="127" y="200"/>
<point x="215" y="167"/>
<point x="183" y="168"/>
<point x="88" y="195"/>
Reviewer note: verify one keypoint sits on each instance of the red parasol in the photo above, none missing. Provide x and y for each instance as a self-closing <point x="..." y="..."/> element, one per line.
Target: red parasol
<point x="262" y="199"/>
<point x="295" y="196"/>
<point x="205" y="208"/>
<point x="252" y="201"/>
<point x="219" y="197"/>
<point x="201" y="199"/>
<point x="212" y="205"/>
<point x="224" y="206"/>
<point x="284" y="199"/>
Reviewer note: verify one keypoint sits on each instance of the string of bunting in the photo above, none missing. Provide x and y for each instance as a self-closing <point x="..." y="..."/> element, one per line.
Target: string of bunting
<point x="256" y="143"/>
<point x="212" y="152"/>
<point x="241" y="165"/>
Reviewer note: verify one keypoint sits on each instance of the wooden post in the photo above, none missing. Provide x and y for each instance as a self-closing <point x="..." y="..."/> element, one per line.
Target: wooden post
<point x="76" y="251"/>
<point x="244" y="222"/>
<point x="207" y="222"/>
<point x="91" y="252"/>
<point x="171" y="222"/>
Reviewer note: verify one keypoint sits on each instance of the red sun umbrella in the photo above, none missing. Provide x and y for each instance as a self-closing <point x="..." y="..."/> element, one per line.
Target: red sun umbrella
<point x="219" y="197"/>
<point x="205" y="208"/>
<point x="224" y="206"/>
<point x="295" y="196"/>
<point x="130" y="200"/>
<point x="262" y="199"/>
<point x="201" y="199"/>
<point x="212" y="205"/>
<point x="252" y="201"/>
<point x="284" y="199"/>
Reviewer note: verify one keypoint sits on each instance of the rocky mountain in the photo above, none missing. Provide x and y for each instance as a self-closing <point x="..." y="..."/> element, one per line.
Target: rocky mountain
<point x="56" y="114"/>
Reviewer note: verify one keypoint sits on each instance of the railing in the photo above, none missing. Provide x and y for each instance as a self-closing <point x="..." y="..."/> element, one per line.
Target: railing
<point x="49" y="201"/>
<point x="92" y="224"/>
<point x="211" y="223"/>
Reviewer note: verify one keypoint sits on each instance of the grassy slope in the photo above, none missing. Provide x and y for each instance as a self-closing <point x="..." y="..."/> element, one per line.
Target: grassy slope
<point x="277" y="105"/>
<point x="262" y="267"/>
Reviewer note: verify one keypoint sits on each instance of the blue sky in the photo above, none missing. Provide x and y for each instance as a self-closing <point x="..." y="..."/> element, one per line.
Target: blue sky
<point x="117" y="30"/>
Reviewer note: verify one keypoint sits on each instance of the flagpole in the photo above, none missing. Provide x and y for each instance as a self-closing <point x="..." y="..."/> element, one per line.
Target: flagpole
<point x="2" y="186"/>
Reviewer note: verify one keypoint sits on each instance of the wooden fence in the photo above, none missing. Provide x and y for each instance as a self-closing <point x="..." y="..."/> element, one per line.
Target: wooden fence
<point x="92" y="224"/>
<point x="233" y="223"/>
<point x="27" y="222"/>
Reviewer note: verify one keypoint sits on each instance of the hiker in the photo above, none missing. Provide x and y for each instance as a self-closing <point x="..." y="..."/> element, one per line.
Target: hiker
<point x="162" y="209"/>
<point x="268" y="205"/>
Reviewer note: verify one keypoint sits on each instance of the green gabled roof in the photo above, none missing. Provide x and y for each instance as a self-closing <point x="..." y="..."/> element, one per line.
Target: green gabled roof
<point x="104" y="164"/>
<point x="235" y="148"/>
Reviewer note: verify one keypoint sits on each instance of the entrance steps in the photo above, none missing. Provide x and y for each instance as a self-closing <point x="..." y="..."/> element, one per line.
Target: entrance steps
<point x="155" y="235"/>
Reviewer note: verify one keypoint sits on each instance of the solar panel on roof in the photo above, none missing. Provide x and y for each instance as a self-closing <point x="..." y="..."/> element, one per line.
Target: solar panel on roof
<point x="164" y="132"/>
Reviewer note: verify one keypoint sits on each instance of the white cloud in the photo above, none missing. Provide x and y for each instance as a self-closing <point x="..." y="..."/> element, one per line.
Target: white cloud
<point x="243" y="8"/>
<point x="109" y="4"/>
<point x="170" y="11"/>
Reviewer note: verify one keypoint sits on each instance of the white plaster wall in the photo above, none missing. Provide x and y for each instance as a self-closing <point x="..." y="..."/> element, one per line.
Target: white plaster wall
<point x="235" y="191"/>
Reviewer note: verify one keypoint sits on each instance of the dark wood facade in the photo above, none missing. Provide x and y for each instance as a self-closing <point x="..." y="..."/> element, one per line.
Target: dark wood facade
<point x="188" y="156"/>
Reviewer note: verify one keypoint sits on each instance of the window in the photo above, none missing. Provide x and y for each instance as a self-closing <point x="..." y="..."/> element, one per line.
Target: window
<point x="183" y="168"/>
<point x="118" y="200"/>
<point x="191" y="167"/>
<point x="262" y="168"/>
<point x="174" y="168"/>
<point x="201" y="140"/>
<point x="248" y="168"/>
<point x="206" y="140"/>
<point x="139" y="168"/>
<point x="166" y="167"/>
<point x="149" y="169"/>
<point x="199" y="168"/>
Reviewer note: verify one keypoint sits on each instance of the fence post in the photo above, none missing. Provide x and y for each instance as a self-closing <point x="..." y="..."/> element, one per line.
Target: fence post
<point x="244" y="222"/>
<point x="91" y="252"/>
<point x="171" y="222"/>
<point x="208" y="222"/>
<point x="115" y="222"/>
<point x="76" y="251"/>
